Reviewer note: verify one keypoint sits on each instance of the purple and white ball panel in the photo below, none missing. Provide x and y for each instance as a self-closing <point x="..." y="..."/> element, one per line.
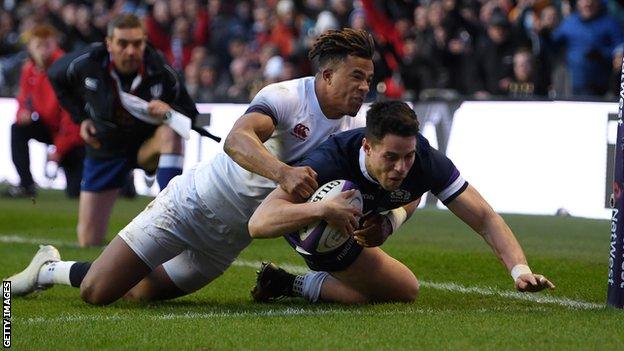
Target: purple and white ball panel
<point x="319" y="237"/>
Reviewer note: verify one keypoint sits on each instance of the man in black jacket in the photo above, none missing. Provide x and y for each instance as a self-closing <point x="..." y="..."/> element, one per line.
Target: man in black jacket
<point x="94" y="85"/>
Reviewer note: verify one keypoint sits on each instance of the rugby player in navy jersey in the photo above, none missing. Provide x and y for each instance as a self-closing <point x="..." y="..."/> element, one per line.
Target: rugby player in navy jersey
<point x="392" y="166"/>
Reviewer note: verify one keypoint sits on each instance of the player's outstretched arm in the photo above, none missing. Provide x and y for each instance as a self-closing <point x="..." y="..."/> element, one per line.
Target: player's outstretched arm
<point x="282" y="213"/>
<point x="244" y="144"/>
<point x="471" y="208"/>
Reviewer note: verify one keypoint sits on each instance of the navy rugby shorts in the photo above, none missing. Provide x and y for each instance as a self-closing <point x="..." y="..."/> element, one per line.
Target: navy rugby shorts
<point x="105" y="174"/>
<point x="336" y="260"/>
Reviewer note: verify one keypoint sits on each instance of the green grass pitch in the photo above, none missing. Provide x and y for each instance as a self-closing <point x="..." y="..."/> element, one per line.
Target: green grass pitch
<point x="466" y="301"/>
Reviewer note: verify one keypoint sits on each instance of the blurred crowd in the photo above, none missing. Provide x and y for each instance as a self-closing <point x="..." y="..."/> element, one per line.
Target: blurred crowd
<point x="428" y="49"/>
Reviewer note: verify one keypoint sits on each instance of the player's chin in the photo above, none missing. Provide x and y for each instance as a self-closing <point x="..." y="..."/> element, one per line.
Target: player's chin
<point x="392" y="184"/>
<point x="354" y="108"/>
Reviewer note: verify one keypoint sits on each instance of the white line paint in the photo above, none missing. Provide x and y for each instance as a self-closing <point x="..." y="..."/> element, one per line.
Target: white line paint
<point x="286" y="312"/>
<point x="540" y="298"/>
<point x="17" y="239"/>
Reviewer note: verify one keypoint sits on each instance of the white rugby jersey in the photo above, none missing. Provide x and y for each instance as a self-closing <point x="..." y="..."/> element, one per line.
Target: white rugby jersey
<point x="232" y="192"/>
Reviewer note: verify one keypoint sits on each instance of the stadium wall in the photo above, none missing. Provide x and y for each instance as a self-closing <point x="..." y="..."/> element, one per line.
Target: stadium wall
<point x="524" y="157"/>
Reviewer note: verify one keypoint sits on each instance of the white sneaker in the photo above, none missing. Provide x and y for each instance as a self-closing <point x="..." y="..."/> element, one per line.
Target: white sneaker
<point x="25" y="282"/>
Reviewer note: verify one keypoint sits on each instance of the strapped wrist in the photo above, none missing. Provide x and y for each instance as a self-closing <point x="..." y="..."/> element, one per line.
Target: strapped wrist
<point x="519" y="270"/>
<point x="396" y="217"/>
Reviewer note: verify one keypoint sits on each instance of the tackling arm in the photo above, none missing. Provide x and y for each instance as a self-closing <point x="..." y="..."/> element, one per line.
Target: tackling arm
<point x="244" y="144"/>
<point x="471" y="208"/>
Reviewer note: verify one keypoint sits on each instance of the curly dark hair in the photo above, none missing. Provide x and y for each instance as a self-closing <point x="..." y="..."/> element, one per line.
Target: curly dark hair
<point x="336" y="45"/>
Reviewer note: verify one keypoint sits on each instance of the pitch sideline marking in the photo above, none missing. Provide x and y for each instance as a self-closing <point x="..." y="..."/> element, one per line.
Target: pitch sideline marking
<point x="446" y="286"/>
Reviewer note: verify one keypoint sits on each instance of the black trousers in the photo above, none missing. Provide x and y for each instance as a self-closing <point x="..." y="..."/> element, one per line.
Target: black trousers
<point x="71" y="163"/>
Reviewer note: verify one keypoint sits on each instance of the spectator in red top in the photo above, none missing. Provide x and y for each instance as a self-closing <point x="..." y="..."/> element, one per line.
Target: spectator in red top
<point x="284" y="32"/>
<point x="40" y="117"/>
<point x="158" y="23"/>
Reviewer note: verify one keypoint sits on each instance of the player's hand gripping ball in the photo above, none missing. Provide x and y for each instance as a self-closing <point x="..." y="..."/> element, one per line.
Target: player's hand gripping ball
<point x="319" y="237"/>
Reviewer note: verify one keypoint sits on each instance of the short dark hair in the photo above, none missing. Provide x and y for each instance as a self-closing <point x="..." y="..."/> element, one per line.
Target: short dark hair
<point x="123" y="21"/>
<point x="390" y="117"/>
<point x="335" y="45"/>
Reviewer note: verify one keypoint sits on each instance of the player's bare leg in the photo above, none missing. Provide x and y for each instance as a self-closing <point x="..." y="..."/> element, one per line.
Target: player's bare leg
<point x="155" y="286"/>
<point x="162" y="153"/>
<point x="93" y="216"/>
<point x="374" y="275"/>
<point x="113" y="274"/>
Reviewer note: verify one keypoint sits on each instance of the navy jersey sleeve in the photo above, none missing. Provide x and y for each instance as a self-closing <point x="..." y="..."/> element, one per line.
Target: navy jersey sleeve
<point x="324" y="162"/>
<point x="446" y="181"/>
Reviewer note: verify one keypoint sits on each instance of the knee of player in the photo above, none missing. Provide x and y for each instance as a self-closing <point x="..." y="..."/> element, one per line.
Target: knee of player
<point x="167" y="135"/>
<point x="92" y="294"/>
<point x="410" y="293"/>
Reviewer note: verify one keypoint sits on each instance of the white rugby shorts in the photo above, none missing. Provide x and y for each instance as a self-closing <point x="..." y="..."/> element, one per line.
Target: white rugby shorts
<point x="178" y="230"/>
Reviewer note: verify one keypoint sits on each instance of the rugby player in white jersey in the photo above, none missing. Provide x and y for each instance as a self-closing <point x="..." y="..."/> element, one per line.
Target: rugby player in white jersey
<point x="195" y="228"/>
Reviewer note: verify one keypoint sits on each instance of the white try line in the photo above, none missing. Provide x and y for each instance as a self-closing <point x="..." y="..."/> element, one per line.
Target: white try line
<point x="539" y="298"/>
<point x="285" y="312"/>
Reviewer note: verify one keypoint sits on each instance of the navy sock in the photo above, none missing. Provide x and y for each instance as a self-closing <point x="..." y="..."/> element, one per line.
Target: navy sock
<point x="169" y="166"/>
<point x="77" y="272"/>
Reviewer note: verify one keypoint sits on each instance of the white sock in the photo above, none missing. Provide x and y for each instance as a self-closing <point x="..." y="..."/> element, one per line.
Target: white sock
<point x="312" y="283"/>
<point x="171" y="161"/>
<point x="55" y="273"/>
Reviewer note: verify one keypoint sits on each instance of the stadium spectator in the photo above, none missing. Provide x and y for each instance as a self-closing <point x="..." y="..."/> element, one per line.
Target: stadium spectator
<point x="386" y="158"/>
<point x="417" y="70"/>
<point x="90" y="84"/>
<point x="550" y="63"/>
<point x="181" y="46"/>
<point x="40" y="116"/>
<point x="191" y="80"/>
<point x="284" y="31"/>
<point x="157" y="24"/>
<point x="524" y="83"/>
<point x="451" y="29"/>
<point x="493" y="60"/>
<point x="590" y="36"/>
<point x="195" y="228"/>
<point x="211" y="87"/>
<point x="616" y="72"/>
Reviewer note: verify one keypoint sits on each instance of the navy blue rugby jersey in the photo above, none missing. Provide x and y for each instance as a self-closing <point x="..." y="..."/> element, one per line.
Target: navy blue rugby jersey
<point x="342" y="157"/>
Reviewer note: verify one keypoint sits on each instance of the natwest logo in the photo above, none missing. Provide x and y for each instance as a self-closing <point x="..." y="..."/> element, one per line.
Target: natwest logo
<point x="300" y="131"/>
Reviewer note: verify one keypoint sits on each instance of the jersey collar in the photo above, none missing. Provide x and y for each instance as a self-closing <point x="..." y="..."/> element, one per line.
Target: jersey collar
<point x="316" y="106"/>
<point x="363" y="169"/>
<point x="135" y="82"/>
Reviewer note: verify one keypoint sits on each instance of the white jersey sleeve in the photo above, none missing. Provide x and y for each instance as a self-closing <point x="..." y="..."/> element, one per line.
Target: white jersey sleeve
<point x="277" y="101"/>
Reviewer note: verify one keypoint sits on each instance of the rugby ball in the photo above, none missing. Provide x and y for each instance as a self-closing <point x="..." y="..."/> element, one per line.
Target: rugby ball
<point x="319" y="237"/>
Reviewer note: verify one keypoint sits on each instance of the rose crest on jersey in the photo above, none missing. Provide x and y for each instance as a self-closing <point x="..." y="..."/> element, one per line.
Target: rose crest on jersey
<point x="300" y="131"/>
